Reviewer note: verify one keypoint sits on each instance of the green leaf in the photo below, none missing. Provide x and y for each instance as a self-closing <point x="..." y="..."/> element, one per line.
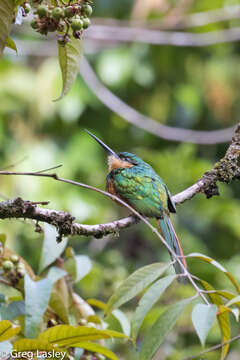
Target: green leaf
<point x="12" y="311"/>
<point x="223" y="317"/>
<point x="59" y="300"/>
<point x="8" y="330"/>
<point x="33" y="344"/>
<point x="97" y="303"/>
<point x="37" y="294"/>
<point x="227" y="295"/>
<point x="161" y="329"/>
<point x="51" y="250"/>
<point x="18" y="2"/>
<point x="218" y="266"/>
<point x="235" y="300"/>
<point x="6" y="17"/>
<point x="90" y="346"/>
<point x="135" y="283"/>
<point x="203" y="317"/>
<point x="69" y="59"/>
<point x="67" y="335"/>
<point x="78" y="267"/>
<point x="55" y="273"/>
<point x="3" y="239"/>
<point x="150" y="297"/>
<point x="10" y="292"/>
<point x="83" y="266"/>
<point x="123" y="321"/>
<point x="11" y="44"/>
<point x="58" y="306"/>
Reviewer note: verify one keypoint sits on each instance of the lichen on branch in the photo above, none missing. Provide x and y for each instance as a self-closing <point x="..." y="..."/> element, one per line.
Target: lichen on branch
<point x="225" y="170"/>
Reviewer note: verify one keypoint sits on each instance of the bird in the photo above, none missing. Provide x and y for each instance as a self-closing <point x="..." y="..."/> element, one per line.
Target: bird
<point x="135" y="182"/>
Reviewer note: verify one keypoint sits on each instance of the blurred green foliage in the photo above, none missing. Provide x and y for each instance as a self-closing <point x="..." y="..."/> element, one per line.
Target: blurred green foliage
<point x="191" y="87"/>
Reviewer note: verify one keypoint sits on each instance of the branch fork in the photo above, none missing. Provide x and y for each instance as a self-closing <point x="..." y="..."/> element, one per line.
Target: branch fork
<point x="225" y="170"/>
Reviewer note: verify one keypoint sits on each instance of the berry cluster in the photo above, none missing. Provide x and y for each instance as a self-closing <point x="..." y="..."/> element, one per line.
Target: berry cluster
<point x="67" y="20"/>
<point x="13" y="269"/>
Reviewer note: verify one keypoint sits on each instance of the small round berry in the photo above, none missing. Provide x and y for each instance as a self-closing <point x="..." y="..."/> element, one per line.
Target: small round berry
<point x="34" y="24"/>
<point x="76" y="9"/>
<point x="82" y="322"/>
<point x="87" y="10"/>
<point x="86" y="23"/>
<point x="69" y="11"/>
<point x="20" y="266"/>
<point x="42" y="11"/>
<point x="57" y="13"/>
<point x="20" y="273"/>
<point x="14" y="259"/>
<point x="77" y="24"/>
<point x="7" y="265"/>
<point x="52" y="322"/>
<point x="91" y="324"/>
<point x="77" y="34"/>
<point x="27" y="8"/>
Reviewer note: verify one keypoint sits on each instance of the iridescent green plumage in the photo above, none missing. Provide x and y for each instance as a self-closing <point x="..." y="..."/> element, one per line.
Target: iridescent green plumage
<point x="136" y="182"/>
<point x="142" y="187"/>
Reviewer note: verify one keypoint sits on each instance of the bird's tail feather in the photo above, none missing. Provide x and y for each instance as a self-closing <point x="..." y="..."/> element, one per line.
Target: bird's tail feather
<point x="171" y="238"/>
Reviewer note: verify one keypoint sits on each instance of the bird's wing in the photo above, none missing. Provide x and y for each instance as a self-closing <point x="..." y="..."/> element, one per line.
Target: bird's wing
<point x="171" y="204"/>
<point x="145" y="192"/>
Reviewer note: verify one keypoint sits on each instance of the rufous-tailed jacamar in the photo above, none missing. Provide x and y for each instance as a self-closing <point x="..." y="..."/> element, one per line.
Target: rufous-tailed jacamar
<point x="135" y="182"/>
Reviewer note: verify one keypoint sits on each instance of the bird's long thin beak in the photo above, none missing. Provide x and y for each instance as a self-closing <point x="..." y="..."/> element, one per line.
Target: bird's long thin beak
<point x="107" y="148"/>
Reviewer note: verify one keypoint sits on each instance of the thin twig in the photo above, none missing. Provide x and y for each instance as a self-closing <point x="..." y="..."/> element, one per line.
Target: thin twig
<point x="35" y="173"/>
<point x="213" y="348"/>
<point x="224" y="170"/>
<point x="185" y="21"/>
<point x="130" y="114"/>
<point x="116" y="34"/>
<point x="14" y="164"/>
<point x="115" y="198"/>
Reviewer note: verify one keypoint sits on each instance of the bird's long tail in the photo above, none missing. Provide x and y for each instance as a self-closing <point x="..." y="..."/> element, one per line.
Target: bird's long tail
<point x="171" y="238"/>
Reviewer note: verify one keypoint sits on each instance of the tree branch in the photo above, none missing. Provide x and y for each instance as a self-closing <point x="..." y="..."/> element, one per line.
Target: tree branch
<point x="180" y="22"/>
<point x="176" y="258"/>
<point x="144" y="122"/>
<point x="62" y="220"/>
<point x="125" y="111"/>
<point x="213" y="348"/>
<point x="225" y="170"/>
<point x="160" y="37"/>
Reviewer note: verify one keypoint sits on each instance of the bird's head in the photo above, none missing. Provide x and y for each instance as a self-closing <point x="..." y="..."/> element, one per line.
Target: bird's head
<point x="120" y="160"/>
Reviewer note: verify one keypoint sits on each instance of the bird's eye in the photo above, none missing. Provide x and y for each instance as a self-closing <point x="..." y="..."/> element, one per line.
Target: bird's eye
<point x="131" y="161"/>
